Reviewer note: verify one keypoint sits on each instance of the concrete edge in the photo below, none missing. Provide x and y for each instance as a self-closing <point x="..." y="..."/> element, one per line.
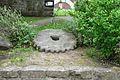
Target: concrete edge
<point x="34" y="71"/>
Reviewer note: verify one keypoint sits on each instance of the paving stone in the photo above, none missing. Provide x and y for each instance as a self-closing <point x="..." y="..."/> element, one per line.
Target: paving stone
<point x="58" y="72"/>
<point x="47" y="78"/>
<point x="33" y="72"/>
<point x="2" y="79"/>
<point x="13" y="79"/>
<point x="10" y="74"/>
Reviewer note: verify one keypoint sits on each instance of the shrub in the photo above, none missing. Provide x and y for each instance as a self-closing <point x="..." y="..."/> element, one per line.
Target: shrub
<point x="62" y="12"/>
<point x="12" y="26"/>
<point x="98" y="21"/>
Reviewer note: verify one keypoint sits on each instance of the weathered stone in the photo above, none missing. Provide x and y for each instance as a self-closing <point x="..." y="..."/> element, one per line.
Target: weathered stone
<point x="13" y="79"/>
<point x="29" y="7"/>
<point x="88" y="73"/>
<point x="54" y="40"/>
<point x="10" y="72"/>
<point x="2" y="79"/>
<point x="118" y="75"/>
<point x="60" y="73"/>
<point x="33" y="72"/>
<point x="4" y="44"/>
<point x="47" y="78"/>
<point x="57" y="72"/>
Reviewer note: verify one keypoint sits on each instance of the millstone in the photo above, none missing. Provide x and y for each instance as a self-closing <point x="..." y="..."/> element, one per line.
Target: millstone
<point x="54" y="40"/>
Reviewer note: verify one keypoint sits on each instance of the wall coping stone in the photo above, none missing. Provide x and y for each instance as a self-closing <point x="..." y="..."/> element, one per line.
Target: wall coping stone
<point x="35" y="71"/>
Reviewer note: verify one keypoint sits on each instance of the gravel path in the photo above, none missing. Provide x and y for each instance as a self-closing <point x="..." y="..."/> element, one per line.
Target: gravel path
<point x="52" y="19"/>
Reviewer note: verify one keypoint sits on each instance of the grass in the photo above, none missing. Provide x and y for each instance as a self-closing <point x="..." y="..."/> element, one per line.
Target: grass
<point x="19" y="54"/>
<point x="32" y="19"/>
<point x="63" y="12"/>
<point x="54" y="25"/>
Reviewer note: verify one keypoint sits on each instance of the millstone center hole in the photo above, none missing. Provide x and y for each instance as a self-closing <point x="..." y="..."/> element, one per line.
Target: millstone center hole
<point x="55" y="38"/>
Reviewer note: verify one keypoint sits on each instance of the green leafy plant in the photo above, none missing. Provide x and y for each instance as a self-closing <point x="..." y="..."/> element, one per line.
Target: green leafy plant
<point x="12" y="27"/>
<point x="23" y="36"/>
<point x="63" y="12"/>
<point x="98" y="21"/>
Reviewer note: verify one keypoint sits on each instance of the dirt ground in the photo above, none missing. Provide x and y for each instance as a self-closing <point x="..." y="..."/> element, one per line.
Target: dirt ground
<point x="75" y="57"/>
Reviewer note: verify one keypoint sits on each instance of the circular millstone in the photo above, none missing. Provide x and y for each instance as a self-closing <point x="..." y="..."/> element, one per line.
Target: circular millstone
<point x="54" y="40"/>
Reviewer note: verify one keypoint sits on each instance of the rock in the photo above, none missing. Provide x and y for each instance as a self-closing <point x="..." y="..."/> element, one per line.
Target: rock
<point x="4" y="44"/>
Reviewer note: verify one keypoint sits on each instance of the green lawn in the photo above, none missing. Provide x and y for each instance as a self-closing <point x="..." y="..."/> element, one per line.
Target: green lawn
<point x="32" y="19"/>
<point x="55" y="25"/>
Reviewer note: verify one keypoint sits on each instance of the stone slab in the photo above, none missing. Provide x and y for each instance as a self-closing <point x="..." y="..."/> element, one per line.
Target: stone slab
<point x="35" y="72"/>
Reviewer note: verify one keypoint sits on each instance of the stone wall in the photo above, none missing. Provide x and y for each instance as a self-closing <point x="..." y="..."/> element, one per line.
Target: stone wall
<point x="29" y="7"/>
<point x="35" y="72"/>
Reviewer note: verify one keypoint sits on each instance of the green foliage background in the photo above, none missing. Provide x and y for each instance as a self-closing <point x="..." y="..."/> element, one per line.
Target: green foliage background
<point x="97" y="22"/>
<point x="13" y="28"/>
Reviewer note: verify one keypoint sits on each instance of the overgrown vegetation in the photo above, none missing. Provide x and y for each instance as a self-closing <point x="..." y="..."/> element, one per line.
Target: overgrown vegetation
<point x="97" y="24"/>
<point x="12" y="27"/>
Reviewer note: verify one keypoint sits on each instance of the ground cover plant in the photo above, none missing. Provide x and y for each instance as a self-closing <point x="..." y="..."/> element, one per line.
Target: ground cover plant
<point x="97" y="22"/>
<point x="13" y="28"/>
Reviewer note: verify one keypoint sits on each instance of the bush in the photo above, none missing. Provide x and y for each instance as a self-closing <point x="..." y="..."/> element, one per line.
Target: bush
<point x="12" y="26"/>
<point x="98" y="21"/>
<point x="62" y="12"/>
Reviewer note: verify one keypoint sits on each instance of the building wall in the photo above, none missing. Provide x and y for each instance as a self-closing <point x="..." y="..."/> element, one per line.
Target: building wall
<point x="29" y="7"/>
<point x="65" y="6"/>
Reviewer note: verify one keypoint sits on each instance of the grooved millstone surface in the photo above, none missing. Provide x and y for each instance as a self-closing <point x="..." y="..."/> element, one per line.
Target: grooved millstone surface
<point x="54" y="40"/>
